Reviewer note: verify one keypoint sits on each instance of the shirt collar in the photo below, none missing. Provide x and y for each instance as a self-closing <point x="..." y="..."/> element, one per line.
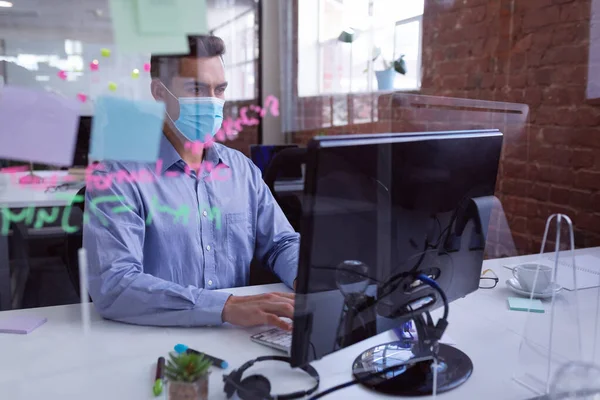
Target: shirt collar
<point x="169" y="156"/>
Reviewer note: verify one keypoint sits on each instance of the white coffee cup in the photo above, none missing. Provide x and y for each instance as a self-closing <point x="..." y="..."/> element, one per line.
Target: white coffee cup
<point x="525" y="275"/>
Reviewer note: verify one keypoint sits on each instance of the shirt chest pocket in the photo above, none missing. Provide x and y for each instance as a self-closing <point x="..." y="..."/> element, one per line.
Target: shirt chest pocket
<point x="239" y="238"/>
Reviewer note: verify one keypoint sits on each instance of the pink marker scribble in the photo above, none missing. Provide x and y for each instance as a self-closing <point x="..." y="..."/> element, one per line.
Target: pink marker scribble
<point x="11" y="170"/>
<point x="216" y="176"/>
<point x="82" y="97"/>
<point x="147" y="67"/>
<point x="172" y="174"/>
<point x="62" y="75"/>
<point x="94" y="66"/>
<point x="244" y="117"/>
<point x="272" y="102"/>
<point x="197" y="147"/>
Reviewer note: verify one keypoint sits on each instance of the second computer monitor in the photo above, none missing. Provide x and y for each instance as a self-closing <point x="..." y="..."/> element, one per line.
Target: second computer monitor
<point x="379" y="209"/>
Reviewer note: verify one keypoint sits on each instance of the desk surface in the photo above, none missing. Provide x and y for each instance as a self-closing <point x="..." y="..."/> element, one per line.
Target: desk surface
<point x="116" y="361"/>
<point x="18" y="196"/>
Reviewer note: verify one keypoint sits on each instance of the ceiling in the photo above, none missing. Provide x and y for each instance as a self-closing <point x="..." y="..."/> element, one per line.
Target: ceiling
<point x="85" y="20"/>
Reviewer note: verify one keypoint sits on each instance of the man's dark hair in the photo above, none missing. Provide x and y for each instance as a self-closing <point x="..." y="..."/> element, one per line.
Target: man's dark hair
<point x="165" y="67"/>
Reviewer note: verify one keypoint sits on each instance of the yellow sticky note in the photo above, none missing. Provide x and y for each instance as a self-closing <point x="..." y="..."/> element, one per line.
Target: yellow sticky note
<point x="112" y="86"/>
<point x="105" y="52"/>
<point x="135" y="73"/>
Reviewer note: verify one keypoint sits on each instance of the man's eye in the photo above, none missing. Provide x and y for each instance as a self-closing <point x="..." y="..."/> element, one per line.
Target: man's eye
<point x="220" y="90"/>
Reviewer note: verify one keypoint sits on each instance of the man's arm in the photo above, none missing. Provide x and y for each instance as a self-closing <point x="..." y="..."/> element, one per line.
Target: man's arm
<point x="277" y="244"/>
<point x="114" y="240"/>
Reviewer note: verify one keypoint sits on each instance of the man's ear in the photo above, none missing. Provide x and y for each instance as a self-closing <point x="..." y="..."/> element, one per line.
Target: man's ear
<point x="159" y="92"/>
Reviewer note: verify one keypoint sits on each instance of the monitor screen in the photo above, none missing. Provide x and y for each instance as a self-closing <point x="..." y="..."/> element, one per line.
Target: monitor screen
<point x="369" y="227"/>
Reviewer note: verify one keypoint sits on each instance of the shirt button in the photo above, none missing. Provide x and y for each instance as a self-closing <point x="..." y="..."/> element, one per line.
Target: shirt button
<point x="208" y="247"/>
<point x="209" y="283"/>
<point x="204" y="213"/>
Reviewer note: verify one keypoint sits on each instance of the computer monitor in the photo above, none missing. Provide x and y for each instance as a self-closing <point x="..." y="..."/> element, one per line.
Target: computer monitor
<point x="379" y="210"/>
<point x="262" y="155"/>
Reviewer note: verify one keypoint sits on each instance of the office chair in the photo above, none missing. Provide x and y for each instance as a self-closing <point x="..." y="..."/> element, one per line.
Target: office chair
<point x="74" y="241"/>
<point x="290" y="202"/>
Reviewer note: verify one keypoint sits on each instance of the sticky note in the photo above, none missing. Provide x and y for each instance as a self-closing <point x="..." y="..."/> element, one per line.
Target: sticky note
<point x="37" y="126"/>
<point x="23" y="324"/>
<point x="126" y="130"/>
<point x="112" y="86"/>
<point x="157" y="16"/>
<point x="105" y="52"/>
<point x="167" y="37"/>
<point x="524" y="304"/>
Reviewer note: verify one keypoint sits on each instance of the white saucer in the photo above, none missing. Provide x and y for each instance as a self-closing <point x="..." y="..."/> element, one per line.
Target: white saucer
<point x="515" y="287"/>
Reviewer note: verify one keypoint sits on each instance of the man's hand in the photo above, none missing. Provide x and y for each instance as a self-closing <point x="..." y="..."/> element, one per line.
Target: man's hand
<point x="262" y="309"/>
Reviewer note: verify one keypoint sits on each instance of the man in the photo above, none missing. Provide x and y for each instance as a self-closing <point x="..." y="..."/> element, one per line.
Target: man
<point x="158" y="250"/>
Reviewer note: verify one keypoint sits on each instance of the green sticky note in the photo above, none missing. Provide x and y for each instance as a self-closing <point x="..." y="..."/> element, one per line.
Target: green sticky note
<point x="524" y="304"/>
<point x="158" y="16"/>
<point x="128" y="38"/>
<point x="157" y="26"/>
<point x="105" y="52"/>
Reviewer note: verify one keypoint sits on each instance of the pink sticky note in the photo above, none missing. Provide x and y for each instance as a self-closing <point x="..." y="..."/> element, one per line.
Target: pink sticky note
<point x="46" y="136"/>
<point x="62" y="75"/>
<point x="147" y="67"/>
<point x="22" y="324"/>
<point x="82" y="97"/>
<point x="94" y="66"/>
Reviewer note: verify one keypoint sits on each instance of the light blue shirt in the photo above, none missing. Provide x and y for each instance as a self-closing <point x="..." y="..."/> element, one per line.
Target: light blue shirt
<point x="158" y="247"/>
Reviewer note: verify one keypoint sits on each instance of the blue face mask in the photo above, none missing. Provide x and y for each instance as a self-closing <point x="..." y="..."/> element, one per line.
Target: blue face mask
<point x="199" y="117"/>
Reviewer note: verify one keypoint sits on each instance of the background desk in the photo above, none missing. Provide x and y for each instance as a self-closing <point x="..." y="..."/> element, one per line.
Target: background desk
<point x="16" y="196"/>
<point x="117" y="360"/>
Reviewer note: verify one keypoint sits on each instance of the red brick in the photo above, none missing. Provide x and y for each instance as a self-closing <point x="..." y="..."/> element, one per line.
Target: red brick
<point x="536" y="226"/>
<point x="523" y="44"/>
<point x="518" y="224"/>
<point x="516" y="187"/>
<point x="588" y="222"/>
<point x="554" y="135"/>
<point x="540" y="192"/>
<point x="576" y="11"/>
<point x="576" y="33"/>
<point x="551" y="174"/>
<point x="560" y="95"/>
<point x="547" y="155"/>
<point x="514" y="205"/>
<point x="588" y="180"/>
<point x="582" y="158"/>
<point x="535" y="19"/>
<point x="540" y="77"/>
<point x="581" y="199"/>
<point x="571" y="54"/>
<point x="589" y="138"/>
<point x="533" y="96"/>
<point x="560" y="195"/>
<point x="513" y="169"/>
<point x="533" y="4"/>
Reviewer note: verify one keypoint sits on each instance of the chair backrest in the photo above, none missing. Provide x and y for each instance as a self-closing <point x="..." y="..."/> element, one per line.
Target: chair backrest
<point x="74" y="241"/>
<point x="290" y="203"/>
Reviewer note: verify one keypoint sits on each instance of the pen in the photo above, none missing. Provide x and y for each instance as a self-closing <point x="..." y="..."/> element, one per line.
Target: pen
<point x="160" y="376"/>
<point x="217" y="362"/>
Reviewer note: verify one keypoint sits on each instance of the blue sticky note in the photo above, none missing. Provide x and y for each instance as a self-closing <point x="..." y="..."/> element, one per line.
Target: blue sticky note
<point x="126" y="130"/>
<point x="524" y="304"/>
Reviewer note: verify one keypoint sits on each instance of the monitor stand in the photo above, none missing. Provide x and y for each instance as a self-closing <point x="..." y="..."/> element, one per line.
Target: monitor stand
<point x="414" y="376"/>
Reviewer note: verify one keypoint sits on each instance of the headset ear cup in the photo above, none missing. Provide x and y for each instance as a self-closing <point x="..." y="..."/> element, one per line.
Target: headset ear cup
<point x="255" y="387"/>
<point x="233" y="377"/>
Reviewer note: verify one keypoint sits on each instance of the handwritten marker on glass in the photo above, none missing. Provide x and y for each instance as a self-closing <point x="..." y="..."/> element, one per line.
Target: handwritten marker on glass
<point x="217" y="362"/>
<point x="135" y="73"/>
<point x="112" y="86"/>
<point x="83" y="291"/>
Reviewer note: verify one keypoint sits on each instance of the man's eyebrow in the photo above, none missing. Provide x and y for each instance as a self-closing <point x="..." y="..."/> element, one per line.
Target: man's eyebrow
<point x="223" y="85"/>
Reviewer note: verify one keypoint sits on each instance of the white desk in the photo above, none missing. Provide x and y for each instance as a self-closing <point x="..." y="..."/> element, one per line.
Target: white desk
<point x="15" y="196"/>
<point x="117" y="361"/>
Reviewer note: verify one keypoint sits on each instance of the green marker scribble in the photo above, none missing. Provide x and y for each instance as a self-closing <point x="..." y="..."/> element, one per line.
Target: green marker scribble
<point x="25" y="215"/>
<point x="104" y="199"/>
<point x="43" y="217"/>
<point x="182" y="213"/>
<point x="214" y="214"/>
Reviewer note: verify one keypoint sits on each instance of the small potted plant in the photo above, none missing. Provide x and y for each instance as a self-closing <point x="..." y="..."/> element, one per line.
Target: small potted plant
<point x="187" y="374"/>
<point x="386" y="76"/>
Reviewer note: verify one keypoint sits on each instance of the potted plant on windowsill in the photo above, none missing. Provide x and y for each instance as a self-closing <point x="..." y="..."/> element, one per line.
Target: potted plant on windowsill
<point x="187" y="374"/>
<point x="387" y="75"/>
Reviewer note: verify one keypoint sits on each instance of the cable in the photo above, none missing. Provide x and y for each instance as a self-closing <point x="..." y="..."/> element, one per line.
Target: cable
<point x="427" y="280"/>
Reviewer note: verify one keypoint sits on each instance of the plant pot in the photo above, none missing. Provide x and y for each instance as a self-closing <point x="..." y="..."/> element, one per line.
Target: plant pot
<point x="197" y="390"/>
<point x="385" y="79"/>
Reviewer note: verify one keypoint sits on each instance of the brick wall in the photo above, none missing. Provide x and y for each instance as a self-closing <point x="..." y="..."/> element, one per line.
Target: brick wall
<point x="532" y="52"/>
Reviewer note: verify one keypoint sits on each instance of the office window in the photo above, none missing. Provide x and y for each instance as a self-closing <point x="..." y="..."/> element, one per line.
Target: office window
<point x="329" y="66"/>
<point x="241" y="58"/>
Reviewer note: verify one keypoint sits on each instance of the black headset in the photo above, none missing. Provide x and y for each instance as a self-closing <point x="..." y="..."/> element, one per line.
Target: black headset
<point x="257" y="387"/>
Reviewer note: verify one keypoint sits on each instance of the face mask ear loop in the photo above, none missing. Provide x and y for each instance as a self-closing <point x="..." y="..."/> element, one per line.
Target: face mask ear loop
<point x="166" y="112"/>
